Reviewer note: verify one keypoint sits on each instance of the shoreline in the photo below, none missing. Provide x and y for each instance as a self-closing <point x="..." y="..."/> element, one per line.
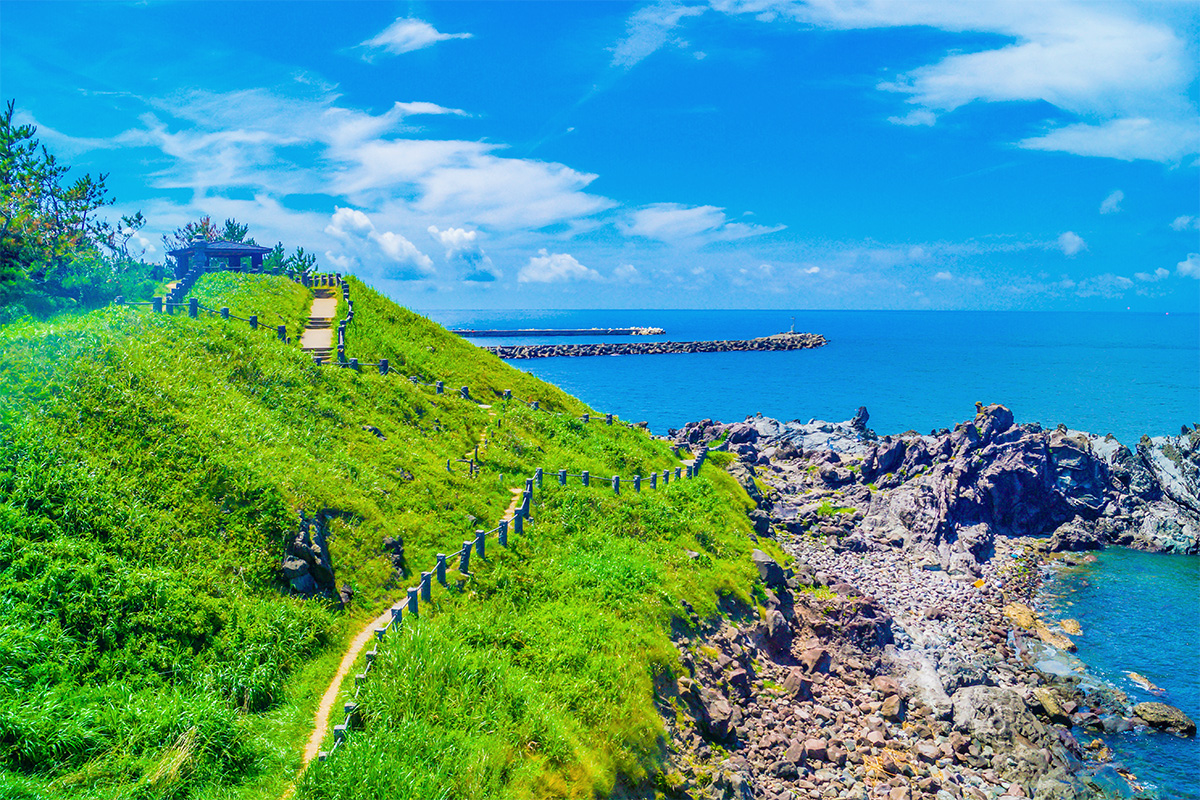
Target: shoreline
<point x="897" y="654"/>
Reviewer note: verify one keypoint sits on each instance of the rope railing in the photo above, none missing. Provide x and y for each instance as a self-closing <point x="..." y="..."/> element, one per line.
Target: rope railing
<point x="423" y="591"/>
<point x="383" y="365"/>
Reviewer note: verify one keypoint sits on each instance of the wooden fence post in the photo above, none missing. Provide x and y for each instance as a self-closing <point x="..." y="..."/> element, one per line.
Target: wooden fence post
<point x="584" y="476"/>
<point x="562" y="477"/>
<point x="464" y="559"/>
<point x="193" y="307"/>
<point x="441" y="568"/>
<point x="281" y="332"/>
<point x="317" y="360"/>
<point x="383" y="366"/>
<point x="354" y="364"/>
<point x="608" y="419"/>
<point x="502" y="533"/>
<point x="637" y="483"/>
<point x="616" y="484"/>
<point x="653" y="480"/>
<point x="426" y="588"/>
<point x="480" y="542"/>
<point x="466" y="393"/>
<point x="508" y="394"/>
<point x="439" y="387"/>
<point x="586" y="417"/>
<point x="156" y="304"/>
<point x="666" y="477"/>
<point x="535" y="405"/>
<point x="224" y="312"/>
<point x="397" y="614"/>
<point x="537" y="477"/>
<point x="254" y="321"/>
<point x="412" y="601"/>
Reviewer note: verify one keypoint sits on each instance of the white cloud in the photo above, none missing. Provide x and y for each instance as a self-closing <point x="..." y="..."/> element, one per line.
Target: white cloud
<point x="548" y="267"/>
<point x="1126" y="77"/>
<point x="648" y="29"/>
<point x="673" y="222"/>
<point x="918" y="116"/>
<point x="1152" y="277"/>
<point x="1184" y="221"/>
<point x="943" y="276"/>
<point x="1127" y="139"/>
<point x="1106" y="285"/>
<point x="1112" y="203"/>
<point x="408" y="34"/>
<point x="627" y="273"/>
<point x="462" y="247"/>
<point x="393" y="255"/>
<point x="1190" y="266"/>
<point x="812" y="271"/>
<point x="1071" y="243"/>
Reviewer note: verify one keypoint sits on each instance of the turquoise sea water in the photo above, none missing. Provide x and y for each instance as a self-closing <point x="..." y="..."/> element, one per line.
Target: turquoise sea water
<point x="1123" y="373"/>
<point x="1140" y="612"/>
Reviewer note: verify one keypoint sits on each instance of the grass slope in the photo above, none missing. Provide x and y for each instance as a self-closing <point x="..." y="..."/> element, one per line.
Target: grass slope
<point x="152" y="469"/>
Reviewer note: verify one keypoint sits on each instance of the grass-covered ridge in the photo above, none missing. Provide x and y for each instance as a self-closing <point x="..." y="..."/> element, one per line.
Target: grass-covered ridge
<point x="152" y="469"/>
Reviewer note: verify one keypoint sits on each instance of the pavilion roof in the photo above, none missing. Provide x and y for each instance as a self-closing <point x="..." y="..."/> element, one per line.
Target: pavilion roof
<point x="222" y="248"/>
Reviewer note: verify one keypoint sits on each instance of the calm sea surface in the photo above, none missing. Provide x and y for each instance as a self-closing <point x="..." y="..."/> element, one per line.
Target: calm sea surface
<point x="1122" y="373"/>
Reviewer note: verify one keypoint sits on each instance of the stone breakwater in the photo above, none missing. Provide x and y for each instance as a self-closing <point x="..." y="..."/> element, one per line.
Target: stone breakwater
<point x="470" y="333"/>
<point x="780" y="341"/>
<point x="896" y="655"/>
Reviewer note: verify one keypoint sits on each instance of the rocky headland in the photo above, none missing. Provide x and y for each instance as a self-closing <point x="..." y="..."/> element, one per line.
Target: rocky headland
<point x="896" y="656"/>
<point x="779" y="341"/>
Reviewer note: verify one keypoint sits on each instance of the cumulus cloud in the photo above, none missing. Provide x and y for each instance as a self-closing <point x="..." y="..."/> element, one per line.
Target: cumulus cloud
<point x="812" y="270"/>
<point x="462" y="247"/>
<point x="1190" y="266"/>
<point x="1184" y="221"/>
<point x="627" y="273"/>
<point x="405" y="35"/>
<point x="1112" y="203"/>
<point x="1152" y="277"/>
<point x="547" y="267"/>
<point x="360" y="243"/>
<point x="649" y="29"/>
<point x="1071" y="243"/>
<point x="943" y="276"/>
<point x="673" y="222"/>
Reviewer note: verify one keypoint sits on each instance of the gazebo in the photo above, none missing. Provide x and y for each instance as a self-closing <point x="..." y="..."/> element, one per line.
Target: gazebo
<point x="217" y="255"/>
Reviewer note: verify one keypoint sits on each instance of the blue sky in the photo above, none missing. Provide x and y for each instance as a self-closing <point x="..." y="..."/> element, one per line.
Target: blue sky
<point x="739" y="153"/>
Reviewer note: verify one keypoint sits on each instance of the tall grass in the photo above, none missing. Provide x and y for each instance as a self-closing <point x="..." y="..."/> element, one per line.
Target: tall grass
<point x="153" y="469"/>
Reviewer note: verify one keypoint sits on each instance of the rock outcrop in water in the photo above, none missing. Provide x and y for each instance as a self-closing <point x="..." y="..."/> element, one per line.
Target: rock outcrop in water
<point x="897" y="655"/>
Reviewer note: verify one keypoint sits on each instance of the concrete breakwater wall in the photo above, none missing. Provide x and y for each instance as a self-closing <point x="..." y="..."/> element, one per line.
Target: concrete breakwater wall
<point x="780" y="341"/>
<point x="471" y="333"/>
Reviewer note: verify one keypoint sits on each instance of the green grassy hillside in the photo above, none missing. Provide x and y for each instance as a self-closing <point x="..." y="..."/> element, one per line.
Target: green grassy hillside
<point x="152" y="471"/>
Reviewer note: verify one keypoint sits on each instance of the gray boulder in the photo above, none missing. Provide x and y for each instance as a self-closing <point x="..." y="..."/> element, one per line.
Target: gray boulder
<point x="1165" y="717"/>
<point x="771" y="573"/>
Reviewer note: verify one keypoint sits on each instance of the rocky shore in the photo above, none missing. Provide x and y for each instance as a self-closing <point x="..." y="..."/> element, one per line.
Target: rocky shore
<point x="895" y="655"/>
<point x="779" y="341"/>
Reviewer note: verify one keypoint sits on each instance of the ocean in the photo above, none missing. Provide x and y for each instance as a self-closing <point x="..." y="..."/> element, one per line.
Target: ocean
<point x="1129" y="374"/>
<point x="1140" y="612"/>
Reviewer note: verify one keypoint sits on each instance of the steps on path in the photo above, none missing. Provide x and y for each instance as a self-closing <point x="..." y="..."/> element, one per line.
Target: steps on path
<point x="318" y="331"/>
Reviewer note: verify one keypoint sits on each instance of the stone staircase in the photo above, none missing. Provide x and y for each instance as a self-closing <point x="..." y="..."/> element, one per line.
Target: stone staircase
<point x="317" y="337"/>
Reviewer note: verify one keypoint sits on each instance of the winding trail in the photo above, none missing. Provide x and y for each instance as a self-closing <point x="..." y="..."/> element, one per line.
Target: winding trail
<point x="329" y="699"/>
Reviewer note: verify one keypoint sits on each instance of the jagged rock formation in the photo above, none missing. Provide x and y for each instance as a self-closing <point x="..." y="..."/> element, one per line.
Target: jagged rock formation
<point x="948" y="494"/>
